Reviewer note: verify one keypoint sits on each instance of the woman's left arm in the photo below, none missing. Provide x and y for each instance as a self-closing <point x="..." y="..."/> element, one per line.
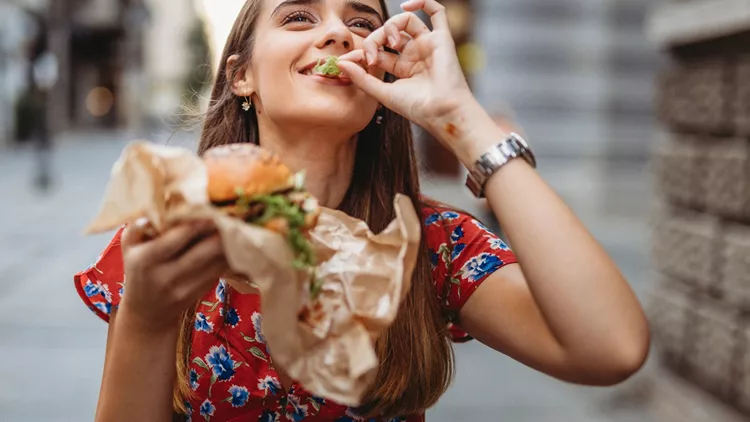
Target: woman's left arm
<point x="566" y="310"/>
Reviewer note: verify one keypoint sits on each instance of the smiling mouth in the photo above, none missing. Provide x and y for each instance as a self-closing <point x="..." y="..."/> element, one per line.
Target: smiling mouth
<point x="309" y="70"/>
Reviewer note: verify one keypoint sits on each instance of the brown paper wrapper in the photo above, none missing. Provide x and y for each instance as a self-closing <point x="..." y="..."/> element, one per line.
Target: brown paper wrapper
<point x="326" y="344"/>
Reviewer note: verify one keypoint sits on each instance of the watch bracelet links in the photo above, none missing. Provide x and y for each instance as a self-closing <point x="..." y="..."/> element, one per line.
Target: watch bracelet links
<point x="514" y="146"/>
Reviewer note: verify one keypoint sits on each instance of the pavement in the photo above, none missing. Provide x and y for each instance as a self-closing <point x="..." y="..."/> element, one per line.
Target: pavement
<point x="52" y="347"/>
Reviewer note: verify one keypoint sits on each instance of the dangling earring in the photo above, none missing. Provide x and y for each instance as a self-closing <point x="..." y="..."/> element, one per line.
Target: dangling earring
<point x="247" y="105"/>
<point x="379" y="119"/>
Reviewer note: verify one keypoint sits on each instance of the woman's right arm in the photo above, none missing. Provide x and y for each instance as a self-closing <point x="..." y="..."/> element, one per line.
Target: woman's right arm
<point x="139" y="372"/>
<point x="164" y="276"/>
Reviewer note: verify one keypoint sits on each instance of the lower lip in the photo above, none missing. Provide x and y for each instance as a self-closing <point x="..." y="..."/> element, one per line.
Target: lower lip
<point x="340" y="81"/>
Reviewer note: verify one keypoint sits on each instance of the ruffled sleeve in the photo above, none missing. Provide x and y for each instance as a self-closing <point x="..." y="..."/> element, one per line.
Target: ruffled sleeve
<point x="102" y="285"/>
<point x="463" y="253"/>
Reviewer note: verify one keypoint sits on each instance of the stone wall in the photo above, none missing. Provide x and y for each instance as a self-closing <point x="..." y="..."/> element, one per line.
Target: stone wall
<point x="700" y="309"/>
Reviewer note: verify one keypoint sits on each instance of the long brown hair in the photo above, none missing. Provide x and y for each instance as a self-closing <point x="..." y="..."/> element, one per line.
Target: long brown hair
<point x="416" y="356"/>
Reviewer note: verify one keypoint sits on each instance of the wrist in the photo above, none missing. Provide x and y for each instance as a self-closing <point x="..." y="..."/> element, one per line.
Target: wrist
<point x="469" y="131"/>
<point x="135" y="324"/>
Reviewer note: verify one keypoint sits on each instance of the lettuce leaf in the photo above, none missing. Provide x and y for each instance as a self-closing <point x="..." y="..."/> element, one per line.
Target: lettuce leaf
<point x="328" y="67"/>
<point x="279" y="205"/>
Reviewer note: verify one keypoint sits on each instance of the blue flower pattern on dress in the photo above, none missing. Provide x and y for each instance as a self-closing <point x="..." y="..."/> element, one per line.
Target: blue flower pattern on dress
<point x="497" y="244"/>
<point x="257" y="319"/>
<point x="458" y="234"/>
<point x="238" y="395"/>
<point x="296" y="410"/>
<point x="104" y="307"/>
<point x="202" y="323"/>
<point x="434" y="258"/>
<point x="445" y="217"/>
<point x="221" y="291"/>
<point x="269" y="416"/>
<point x="480" y="266"/>
<point x="220" y="362"/>
<point x="207" y="409"/>
<point x="194" y="379"/>
<point x="269" y="385"/>
<point x="232" y="318"/>
<point x="480" y="226"/>
<point x="96" y="289"/>
<point x="457" y="249"/>
<point x="189" y="409"/>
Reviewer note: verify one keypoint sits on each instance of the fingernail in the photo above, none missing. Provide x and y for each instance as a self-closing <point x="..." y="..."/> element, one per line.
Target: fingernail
<point x="392" y="41"/>
<point x="369" y="58"/>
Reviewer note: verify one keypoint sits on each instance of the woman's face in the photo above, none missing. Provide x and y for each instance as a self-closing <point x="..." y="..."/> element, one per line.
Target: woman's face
<point x="290" y="37"/>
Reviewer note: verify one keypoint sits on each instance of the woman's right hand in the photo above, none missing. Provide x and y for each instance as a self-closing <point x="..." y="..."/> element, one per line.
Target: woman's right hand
<point x="169" y="273"/>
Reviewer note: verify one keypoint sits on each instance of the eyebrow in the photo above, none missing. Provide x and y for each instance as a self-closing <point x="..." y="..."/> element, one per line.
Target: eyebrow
<point x="286" y="3"/>
<point x="363" y="8"/>
<point x="354" y="4"/>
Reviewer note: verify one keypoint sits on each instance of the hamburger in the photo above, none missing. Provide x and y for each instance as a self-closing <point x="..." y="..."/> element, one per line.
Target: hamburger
<point x="248" y="182"/>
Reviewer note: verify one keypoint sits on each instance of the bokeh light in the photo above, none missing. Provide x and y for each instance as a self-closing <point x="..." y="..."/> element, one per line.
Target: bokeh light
<point x="99" y="101"/>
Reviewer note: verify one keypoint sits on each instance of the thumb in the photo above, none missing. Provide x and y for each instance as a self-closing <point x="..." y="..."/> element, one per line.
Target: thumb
<point x="137" y="233"/>
<point x="369" y="84"/>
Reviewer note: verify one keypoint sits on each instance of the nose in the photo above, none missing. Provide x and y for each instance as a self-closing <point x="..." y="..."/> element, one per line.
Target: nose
<point x="337" y="35"/>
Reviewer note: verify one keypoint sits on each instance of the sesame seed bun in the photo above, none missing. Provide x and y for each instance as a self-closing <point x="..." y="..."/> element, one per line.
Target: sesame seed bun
<point x="244" y="168"/>
<point x="248" y="170"/>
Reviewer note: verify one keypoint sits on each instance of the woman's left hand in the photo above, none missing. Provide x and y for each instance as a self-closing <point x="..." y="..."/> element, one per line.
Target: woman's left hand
<point x="431" y="85"/>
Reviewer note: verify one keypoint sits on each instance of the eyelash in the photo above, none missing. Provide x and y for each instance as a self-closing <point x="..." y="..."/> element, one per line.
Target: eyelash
<point x="291" y="18"/>
<point x="299" y="14"/>
<point x="368" y="24"/>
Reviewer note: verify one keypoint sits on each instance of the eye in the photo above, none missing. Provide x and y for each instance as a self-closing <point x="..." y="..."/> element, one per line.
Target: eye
<point x="363" y="23"/>
<point x="298" y="17"/>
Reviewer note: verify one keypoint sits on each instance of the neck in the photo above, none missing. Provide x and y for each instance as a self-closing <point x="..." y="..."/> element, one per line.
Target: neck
<point x="326" y="157"/>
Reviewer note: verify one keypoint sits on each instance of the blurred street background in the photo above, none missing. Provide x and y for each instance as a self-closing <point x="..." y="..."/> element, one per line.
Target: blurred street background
<point x="81" y="78"/>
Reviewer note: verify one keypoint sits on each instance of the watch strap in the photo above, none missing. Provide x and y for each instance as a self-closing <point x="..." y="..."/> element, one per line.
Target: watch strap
<point x="514" y="146"/>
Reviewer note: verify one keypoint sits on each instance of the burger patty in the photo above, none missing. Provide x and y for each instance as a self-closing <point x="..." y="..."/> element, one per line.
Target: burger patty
<point x="253" y="209"/>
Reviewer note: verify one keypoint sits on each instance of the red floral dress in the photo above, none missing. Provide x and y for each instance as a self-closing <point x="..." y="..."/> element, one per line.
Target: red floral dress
<point x="231" y="370"/>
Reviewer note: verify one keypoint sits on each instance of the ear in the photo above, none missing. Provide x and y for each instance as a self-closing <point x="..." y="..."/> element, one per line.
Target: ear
<point x="241" y="80"/>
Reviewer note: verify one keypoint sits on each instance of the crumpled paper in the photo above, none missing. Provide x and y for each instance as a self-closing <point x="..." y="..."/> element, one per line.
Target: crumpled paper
<point x="326" y="344"/>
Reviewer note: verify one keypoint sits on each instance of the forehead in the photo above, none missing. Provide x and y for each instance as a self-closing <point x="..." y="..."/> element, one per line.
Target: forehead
<point x="270" y="5"/>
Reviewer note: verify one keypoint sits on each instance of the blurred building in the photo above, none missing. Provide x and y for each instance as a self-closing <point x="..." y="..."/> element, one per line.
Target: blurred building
<point x="16" y="27"/>
<point x="122" y="64"/>
<point x="578" y="73"/>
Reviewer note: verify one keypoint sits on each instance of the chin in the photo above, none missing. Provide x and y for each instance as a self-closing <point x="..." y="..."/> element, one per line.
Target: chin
<point x="341" y="113"/>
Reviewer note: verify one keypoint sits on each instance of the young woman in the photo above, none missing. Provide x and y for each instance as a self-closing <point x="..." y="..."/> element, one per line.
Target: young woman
<point x="182" y="344"/>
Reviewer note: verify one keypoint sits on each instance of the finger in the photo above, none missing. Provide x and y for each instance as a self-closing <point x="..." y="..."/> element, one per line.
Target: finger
<point x="371" y="85"/>
<point x="393" y="35"/>
<point x="402" y="42"/>
<point x="390" y="63"/>
<point x="406" y="22"/>
<point x="132" y="236"/>
<point x="356" y="56"/>
<point x="434" y="10"/>
<point x="384" y="60"/>
<point x="200" y="256"/>
<point x="175" y="240"/>
<point x="201" y="281"/>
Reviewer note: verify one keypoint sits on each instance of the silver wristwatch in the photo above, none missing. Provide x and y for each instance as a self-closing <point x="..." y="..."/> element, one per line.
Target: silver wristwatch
<point x="491" y="161"/>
